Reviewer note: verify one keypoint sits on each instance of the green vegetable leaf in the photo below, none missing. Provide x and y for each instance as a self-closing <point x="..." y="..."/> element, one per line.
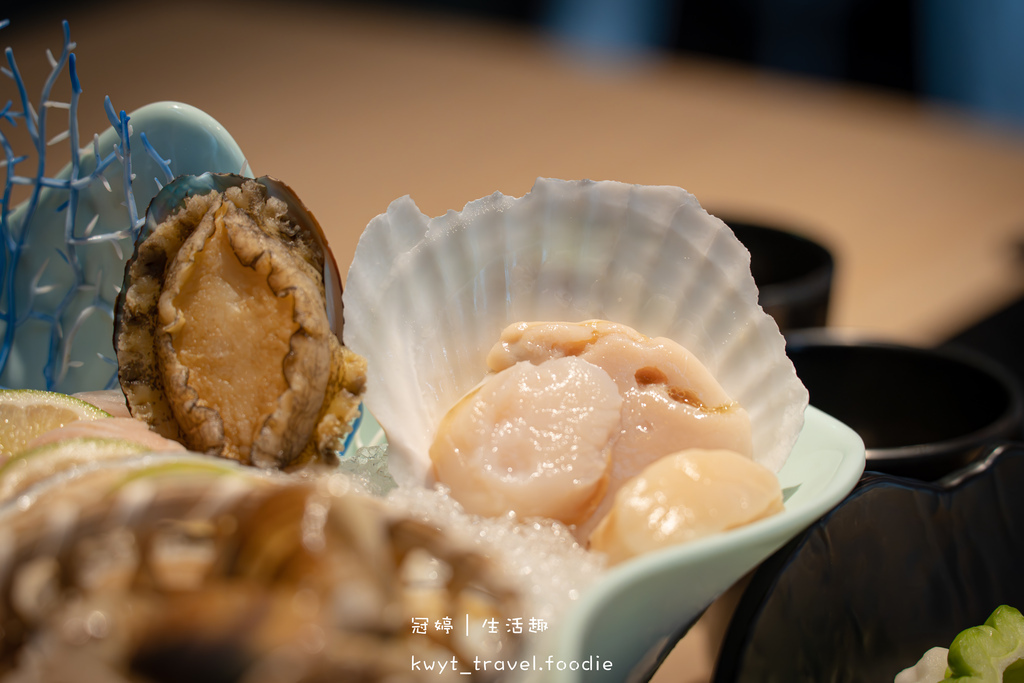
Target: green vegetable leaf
<point x="989" y="653"/>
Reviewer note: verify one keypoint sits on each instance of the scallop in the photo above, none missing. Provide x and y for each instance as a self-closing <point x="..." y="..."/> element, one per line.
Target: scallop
<point x="227" y="329"/>
<point x="684" y="496"/>
<point x="532" y="439"/>
<point x="426" y="299"/>
<point x="668" y="398"/>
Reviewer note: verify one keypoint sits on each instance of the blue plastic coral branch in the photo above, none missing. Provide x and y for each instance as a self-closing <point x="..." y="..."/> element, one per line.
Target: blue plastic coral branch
<point x="163" y="164"/>
<point x="62" y="319"/>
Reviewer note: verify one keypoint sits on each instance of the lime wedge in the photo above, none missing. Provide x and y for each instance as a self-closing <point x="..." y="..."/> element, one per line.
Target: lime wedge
<point x="27" y="413"/>
<point x="35" y="464"/>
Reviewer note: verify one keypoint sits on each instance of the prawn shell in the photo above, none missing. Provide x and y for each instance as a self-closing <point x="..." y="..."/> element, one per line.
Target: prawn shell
<point x="426" y="298"/>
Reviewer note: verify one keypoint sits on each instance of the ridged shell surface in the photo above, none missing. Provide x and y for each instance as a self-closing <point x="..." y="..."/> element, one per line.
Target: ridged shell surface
<point x="426" y="298"/>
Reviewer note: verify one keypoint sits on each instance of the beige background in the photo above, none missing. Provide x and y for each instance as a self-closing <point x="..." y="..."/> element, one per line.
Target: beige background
<point x="354" y="109"/>
<point x="922" y="205"/>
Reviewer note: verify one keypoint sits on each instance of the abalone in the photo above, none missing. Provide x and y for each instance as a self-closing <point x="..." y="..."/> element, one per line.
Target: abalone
<point x="228" y="326"/>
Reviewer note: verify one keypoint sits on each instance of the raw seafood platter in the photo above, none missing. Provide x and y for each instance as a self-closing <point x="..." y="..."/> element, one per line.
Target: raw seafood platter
<point x="531" y="439"/>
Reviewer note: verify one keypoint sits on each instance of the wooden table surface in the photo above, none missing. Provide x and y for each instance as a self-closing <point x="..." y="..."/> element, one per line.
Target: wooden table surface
<point x="923" y="206"/>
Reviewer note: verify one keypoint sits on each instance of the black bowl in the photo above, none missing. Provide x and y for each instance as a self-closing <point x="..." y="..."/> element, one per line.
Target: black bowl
<point x="921" y="412"/>
<point x="793" y="273"/>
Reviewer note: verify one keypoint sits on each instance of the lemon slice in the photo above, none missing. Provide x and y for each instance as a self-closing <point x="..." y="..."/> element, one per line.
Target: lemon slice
<point x="35" y="464"/>
<point x="27" y="413"/>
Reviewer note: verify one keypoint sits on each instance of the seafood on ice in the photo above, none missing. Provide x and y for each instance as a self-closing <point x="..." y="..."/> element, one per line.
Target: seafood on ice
<point x="616" y="325"/>
<point x="571" y="412"/>
<point x="125" y="563"/>
<point x="633" y="296"/>
<point x="181" y="566"/>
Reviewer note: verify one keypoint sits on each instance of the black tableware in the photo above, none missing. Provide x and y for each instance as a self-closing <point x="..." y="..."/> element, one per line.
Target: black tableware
<point x="921" y="412"/>
<point x="897" y="568"/>
<point x="793" y="273"/>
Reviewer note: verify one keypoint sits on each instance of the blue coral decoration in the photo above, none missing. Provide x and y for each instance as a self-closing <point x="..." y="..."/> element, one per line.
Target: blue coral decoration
<point x="64" y="247"/>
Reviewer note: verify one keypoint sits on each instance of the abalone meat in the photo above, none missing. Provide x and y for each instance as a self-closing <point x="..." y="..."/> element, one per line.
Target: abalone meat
<point x="228" y="326"/>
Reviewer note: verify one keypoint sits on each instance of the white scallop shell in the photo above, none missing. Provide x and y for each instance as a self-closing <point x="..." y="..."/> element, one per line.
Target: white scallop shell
<point x="425" y="299"/>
